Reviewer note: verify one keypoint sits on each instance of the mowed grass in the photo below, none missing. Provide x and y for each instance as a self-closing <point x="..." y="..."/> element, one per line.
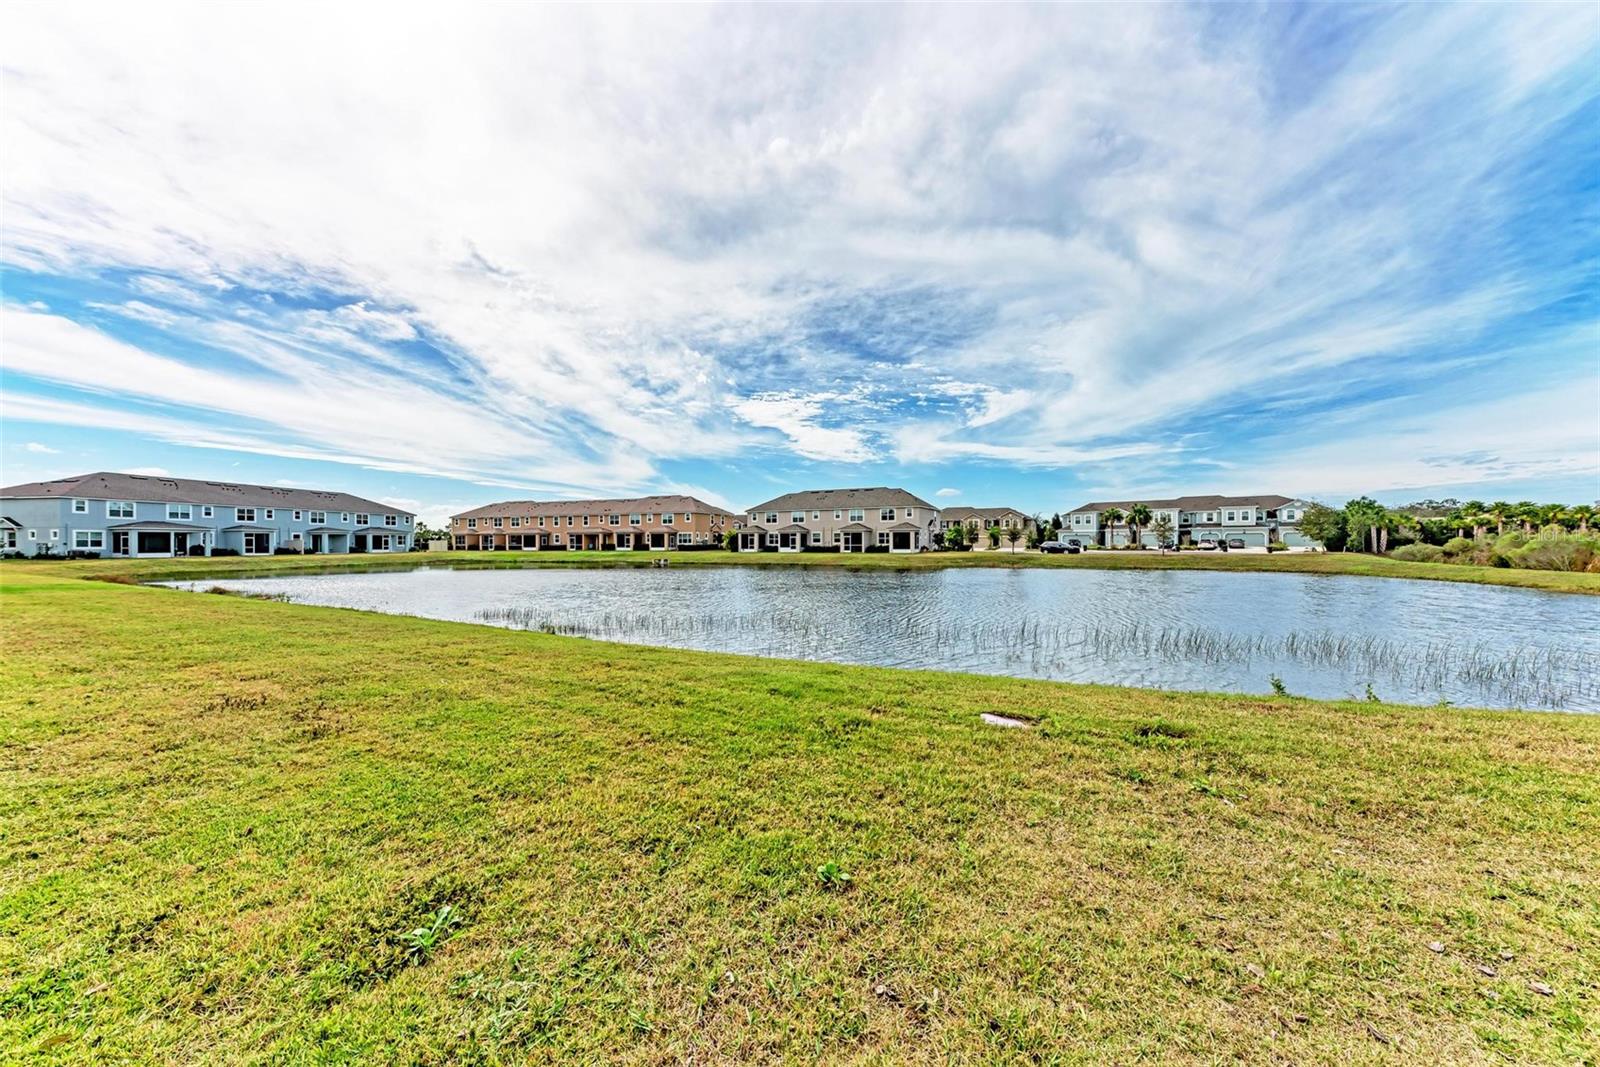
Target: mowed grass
<point x="1345" y="563"/>
<point x="219" y="817"/>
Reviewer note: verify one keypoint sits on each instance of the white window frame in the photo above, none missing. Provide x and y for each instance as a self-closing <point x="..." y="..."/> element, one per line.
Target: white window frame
<point x="666" y="518"/>
<point x="772" y="516"/>
<point x="364" y="518"/>
<point x="858" y="515"/>
<point x="80" y="507"/>
<point x="318" y="518"/>
<point x="271" y="514"/>
<point x="541" y="522"/>
<point x="614" y="520"/>
<point x="205" y="511"/>
<point x="883" y="538"/>
<point x="296" y="514"/>
<point x="78" y="535"/>
<point x="586" y="520"/>
<point x="497" y="522"/>
<point x="688" y="516"/>
<point x="633" y="520"/>
<point x="184" y="512"/>
<point x="516" y="521"/>
<point x="685" y="538"/>
<point x="344" y="516"/>
<point x="472" y="524"/>
<point x="772" y="539"/>
<point x="33" y="535"/>
<point x="119" y="509"/>
<point x="816" y="537"/>
<point x="55" y="535"/>
<point x="244" y="514"/>
<point x="391" y="520"/>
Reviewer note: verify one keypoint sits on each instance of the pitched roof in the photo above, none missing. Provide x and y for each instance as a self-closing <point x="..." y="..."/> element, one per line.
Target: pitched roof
<point x="961" y="514"/>
<point x="109" y="485"/>
<point x="1193" y="503"/>
<point x="874" y="497"/>
<point x="671" y="504"/>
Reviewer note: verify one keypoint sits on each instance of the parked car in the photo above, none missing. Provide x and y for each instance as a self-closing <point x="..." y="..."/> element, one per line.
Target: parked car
<point x="1235" y="542"/>
<point x="1052" y="548"/>
<point x="1206" y="544"/>
<point x="1073" y="544"/>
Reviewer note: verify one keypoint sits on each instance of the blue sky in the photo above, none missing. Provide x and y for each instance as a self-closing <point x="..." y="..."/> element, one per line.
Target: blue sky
<point x="1021" y="256"/>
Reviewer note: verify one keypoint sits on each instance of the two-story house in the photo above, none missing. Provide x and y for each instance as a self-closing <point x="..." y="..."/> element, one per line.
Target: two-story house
<point x="647" y="522"/>
<point x="1255" y="520"/>
<point x="878" y="519"/>
<point x="981" y="520"/>
<point x="110" y="514"/>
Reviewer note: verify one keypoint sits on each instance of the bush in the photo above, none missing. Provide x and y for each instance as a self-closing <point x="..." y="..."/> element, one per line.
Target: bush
<point x="1458" y="546"/>
<point x="1418" y="553"/>
<point x="1277" y="546"/>
<point x="1557" y="553"/>
<point x="224" y="551"/>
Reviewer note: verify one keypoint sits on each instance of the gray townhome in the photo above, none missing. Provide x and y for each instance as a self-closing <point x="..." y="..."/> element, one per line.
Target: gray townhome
<point x="108" y="514"/>
<point x="1255" y="520"/>
<point x="878" y="519"/>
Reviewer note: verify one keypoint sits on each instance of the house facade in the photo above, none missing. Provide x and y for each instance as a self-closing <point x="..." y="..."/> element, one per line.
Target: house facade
<point x="110" y="514"/>
<point x="651" y="522"/>
<point x="981" y="520"/>
<point x="1256" y="520"/>
<point x="878" y="519"/>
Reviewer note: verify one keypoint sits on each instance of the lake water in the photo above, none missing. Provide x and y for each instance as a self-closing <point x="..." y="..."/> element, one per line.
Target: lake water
<point x="1411" y="641"/>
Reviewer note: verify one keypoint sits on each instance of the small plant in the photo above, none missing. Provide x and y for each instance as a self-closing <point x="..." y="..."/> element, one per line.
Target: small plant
<point x="1372" y="697"/>
<point x="1278" y="688"/>
<point x="421" y="942"/>
<point x="832" y="876"/>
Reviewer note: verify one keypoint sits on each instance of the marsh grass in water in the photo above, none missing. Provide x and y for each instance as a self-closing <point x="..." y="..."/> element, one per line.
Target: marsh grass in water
<point x="1532" y="676"/>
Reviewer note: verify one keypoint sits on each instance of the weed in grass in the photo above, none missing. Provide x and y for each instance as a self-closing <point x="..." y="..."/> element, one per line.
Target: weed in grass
<point x="1278" y="688"/>
<point x="832" y="876"/>
<point x="422" y="940"/>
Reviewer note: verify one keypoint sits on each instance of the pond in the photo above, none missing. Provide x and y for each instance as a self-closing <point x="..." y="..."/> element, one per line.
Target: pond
<point x="1322" y="636"/>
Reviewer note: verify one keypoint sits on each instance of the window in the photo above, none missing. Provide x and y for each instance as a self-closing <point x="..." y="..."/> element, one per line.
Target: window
<point x="363" y="519"/>
<point x="8" y="538"/>
<point x="886" y="514"/>
<point x="772" y="539"/>
<point x="472" y="524"/>
<point x="205" y="512"/>
<point x="772" y="516"/>
<point x="797" y="516"/>
<point x="119" y="509"/>
<point x="685" y="539"/>
<point x="179" y="511"/>
<point x="257" y="544"/>
<point x="33" y="535"/>
<point x="1230" y="516"/>
<point x="586" y="520"/>
<point x="614" y="520"/>
<point x="541" y="520"/>
<point x="752" y="518"/>
<point x="244" y="514"/>
<point x="297" y="516"/>
<point x="391" y="520"/>
<point x="498" y="522"/>
<point x="55" y="535"/>
<point x="318" y="518"/>
<point x="666" y="518"/>
<point x="555" y="539"/>
<point x="269" y="513"/>
<point x="461" y="540"/>
<point x="344" y="516"/>
<point x="883" y="537"/>
<point x="857" y="515"/>
<point x="515" y="521"/>
<point x="88" y="539"/>
<point x="911" y="513"/>
<point x="816" y="537"/>
<point x="569" y="521"/>
<point x="80" y="507"/>
<point x="837" y="514"/>
<point x="633" y="520"/>
<point x="838" y="538"/>
<point x="687" y="517"/>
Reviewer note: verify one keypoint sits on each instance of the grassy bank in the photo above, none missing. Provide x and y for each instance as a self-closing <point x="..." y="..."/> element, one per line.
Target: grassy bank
<point x="1284" y="563"/>
<point x="222" y="817"/>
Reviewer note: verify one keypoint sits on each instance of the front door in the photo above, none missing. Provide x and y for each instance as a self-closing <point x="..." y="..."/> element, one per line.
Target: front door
<point x="851" y="543"/>
<point x="119" y="543"/>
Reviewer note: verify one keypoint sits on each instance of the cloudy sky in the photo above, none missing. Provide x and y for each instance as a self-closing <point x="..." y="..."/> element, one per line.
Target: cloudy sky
<point x="1020" y="256"/>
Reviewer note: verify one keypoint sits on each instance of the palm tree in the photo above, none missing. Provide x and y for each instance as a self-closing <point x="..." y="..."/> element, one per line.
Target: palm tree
<point x="1109" y="518"/>
<point x="1582" y="514"/>
<point x="1498" y="513"/>
<point x="1138" y="516"/>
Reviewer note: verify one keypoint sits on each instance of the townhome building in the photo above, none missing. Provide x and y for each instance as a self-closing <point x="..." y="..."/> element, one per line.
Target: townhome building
<point x="878" y="519"/>
<point x="979" y="520"/>
<point x="649" y="522"/>
<point x="1255" y="520"/>
<point x="111" y="514"/>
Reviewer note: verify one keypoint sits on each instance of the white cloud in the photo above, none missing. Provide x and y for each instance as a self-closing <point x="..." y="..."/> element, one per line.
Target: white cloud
<point x="648" y="234"/>
<point x="43" y="450"/>
<point x="948" y="492"/>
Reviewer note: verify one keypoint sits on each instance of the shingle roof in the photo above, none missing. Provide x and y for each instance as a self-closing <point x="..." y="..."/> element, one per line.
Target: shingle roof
<point x="961" y="514"/>
<point x="1193" y="503"/>
<point x="874" y="497"/>
<point x="625" y="505"/>
<point x="109" y="485"/>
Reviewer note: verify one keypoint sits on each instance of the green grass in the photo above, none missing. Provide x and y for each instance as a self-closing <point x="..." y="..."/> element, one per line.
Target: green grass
<point x="228" y="828"/>
<point x="1284" y="562"/>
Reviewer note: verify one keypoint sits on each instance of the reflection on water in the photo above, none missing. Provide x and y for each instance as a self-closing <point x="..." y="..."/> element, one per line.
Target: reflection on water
<point x="1417" y="642"/>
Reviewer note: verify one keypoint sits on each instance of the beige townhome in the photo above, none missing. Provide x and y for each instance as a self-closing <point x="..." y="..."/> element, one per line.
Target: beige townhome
<point x="979" y="520"/>
<point x="648" y="522"/>
<point x="1255" y="520"/>
<point x="877" y="519"/>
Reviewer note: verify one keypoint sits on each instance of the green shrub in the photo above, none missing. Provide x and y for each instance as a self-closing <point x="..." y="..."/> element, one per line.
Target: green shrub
<point x="1418" y="553"/>
<point x="1277" y="546"/>
<point x="1458" y="546"/>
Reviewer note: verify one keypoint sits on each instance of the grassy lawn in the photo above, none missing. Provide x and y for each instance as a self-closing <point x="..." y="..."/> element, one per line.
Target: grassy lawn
<point x="1284" y="562"/>
<point x="219" y="817"/>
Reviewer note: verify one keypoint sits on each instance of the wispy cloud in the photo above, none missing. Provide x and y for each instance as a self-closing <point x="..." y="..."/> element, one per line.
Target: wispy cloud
<point x="41" y="449"/>
<point x="1128" y="243"/>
